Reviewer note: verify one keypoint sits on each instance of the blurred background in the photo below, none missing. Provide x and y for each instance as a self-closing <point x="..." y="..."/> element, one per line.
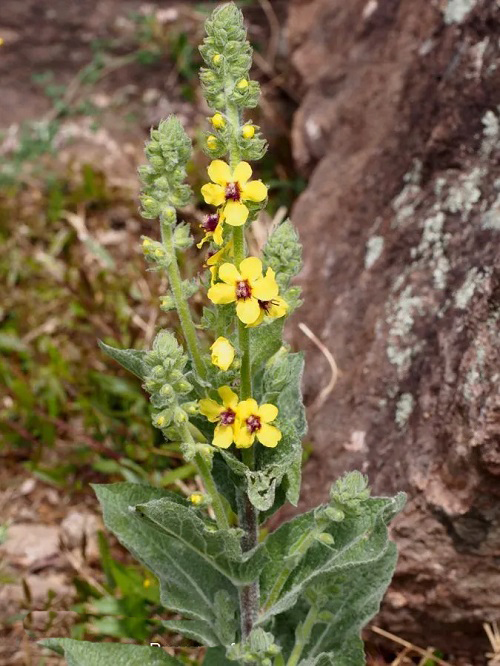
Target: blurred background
<point x="383" y="123"/>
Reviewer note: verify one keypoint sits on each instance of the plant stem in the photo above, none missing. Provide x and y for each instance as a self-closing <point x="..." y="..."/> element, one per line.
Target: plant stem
<point x="302" y="636"/>
<point x="181" y="305"/>
<point x="247" y="513"/>
<point x="205" y="473"/>
<point x="208" y="482"/>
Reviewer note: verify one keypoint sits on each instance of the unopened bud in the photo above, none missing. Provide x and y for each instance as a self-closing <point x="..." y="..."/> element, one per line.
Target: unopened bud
<point x="242" y="85"/>
<point x="212" y="142"/>
<point x="217" y="59"/>
<point x="248" y="131"/>
<point x="218" y="121"/>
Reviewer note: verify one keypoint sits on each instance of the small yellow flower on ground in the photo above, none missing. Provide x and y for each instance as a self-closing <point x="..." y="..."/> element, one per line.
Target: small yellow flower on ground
<point x="231" y="189"/>
<point x="218" y="121"/>
<point x="248" y="131"/>
<point x="224" y="415"/>
<point x="222" y="353"/>
<point x="196" y="498"/>
<point x="213" y="227"/>
<point x="253" y="422"/>
<point x="212" y="142"/>
<point x="247" y="287"/>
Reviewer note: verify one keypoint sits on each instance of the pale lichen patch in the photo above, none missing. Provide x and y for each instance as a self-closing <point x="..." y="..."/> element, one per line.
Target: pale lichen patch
<point x="491" y="218"/>
<point x="491" y="133"/>
<point x="473" y="281"/>
<point x="374" y="248"/>
<point x="457" y="10"/>
<point x="400" y="318"/>
<point x="404" y="409"/>
<point x="465" y="193"/>
<point x="406" y="202"/>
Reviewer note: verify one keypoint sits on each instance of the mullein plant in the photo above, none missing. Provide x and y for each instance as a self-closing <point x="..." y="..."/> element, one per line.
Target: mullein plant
<point x="301" y="594"/>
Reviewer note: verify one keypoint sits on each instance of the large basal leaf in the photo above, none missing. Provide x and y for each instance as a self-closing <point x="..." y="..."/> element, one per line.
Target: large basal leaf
<point x="195" y="630"/>
<point x="189" y="583"/>
<point x="359" y="538"/>
<point x="352" y="653"/>
<point x="132" y="360"/>
<point x="220" y="549"/>
<point x="85" y="653"/>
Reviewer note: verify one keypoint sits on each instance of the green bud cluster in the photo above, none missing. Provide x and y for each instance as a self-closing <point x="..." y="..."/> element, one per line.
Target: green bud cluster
<point x="165" y="380"/>
<point x="226" y="83"/>
<point x="163" y="178"/>
<point x="154" y="253"/>
<point x="283" y="253"/>
<point x="347" y="495"/>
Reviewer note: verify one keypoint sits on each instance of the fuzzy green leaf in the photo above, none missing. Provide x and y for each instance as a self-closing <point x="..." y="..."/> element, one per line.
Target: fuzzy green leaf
<point x="85" y="653"/>
<point x="297" y="558"/>
<point x="132" y="360"/>
<point x="216" y="656"/>
<point x="189" y="583"/>
<point x="195" y="630"/>
<point x="221" y="549"/>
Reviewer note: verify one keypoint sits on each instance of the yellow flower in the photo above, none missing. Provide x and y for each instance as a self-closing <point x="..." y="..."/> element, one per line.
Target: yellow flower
<point x="253" y="421"/>
<point x="273" y="308"/>
<point x="248" y="131"/>
<point x="212" y="225"/>
<point x="212" y="142"/>
<point x="232" y="189"/>
<point x="217" y="59"/>
<point x="218" y="121"/>
<point x="222" y="353"/>
<point x="196" y="498"/>
<point x="147" y="582"/>
<point x="242" y="85"/>
<point x="224" y="415"/>
<point x="247" y="287"/>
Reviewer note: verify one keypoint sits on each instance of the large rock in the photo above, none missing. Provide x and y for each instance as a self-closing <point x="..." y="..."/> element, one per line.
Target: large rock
<point x="399" y="132"/>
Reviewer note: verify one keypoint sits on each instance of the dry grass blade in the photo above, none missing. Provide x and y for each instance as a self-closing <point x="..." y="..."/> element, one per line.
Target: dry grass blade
<point x="427" y="654"/>
<point x="325" y="392"/>
<point x="493" y="633"/>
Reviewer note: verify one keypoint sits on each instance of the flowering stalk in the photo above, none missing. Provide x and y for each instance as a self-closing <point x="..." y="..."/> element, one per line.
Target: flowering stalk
<point x="304" y="592"/>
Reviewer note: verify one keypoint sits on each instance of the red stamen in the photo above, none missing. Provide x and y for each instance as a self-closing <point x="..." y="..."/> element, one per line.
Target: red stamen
<point x="243" y="290"/>
<point x="253" y="424"/>
<point x="233" y="191"/>
<point x="227" y="417"/>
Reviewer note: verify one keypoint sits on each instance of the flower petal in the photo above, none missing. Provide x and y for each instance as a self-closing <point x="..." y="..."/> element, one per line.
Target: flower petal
<point x="248" y="311"/>
<point x="242" y="173"/>
<point x="219" y="172"/>
<point x="229" y="397"/>
<point x="222" y="356"/>
<point x="246" y="408"/>
<point x="210" y="409"/>
<point x="266" y="288"/>
<point x="268" y="435"/>
<point x="235" y="213"/>
<point x="278" y="307"/>
<point x="229" y="274"/>
<point x="255" y="190"/>
<point x="223" y="436"/>
<point x="214" y="195"/>
<point x="221" y="294"/>
<point x="268" y="412"/>
<point x="251" y="268"/>
<point x="258" y="321"/>
<point x="218" y="234"/>
<point x="242" y="438"/>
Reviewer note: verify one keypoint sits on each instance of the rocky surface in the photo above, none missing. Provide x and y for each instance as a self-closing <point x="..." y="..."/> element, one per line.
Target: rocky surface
<point x="399" y="131"/>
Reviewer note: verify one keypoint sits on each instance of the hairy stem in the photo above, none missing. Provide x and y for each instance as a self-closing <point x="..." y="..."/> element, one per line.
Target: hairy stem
<point x="248" y="514"/>
<point x="208" y="481"/>
<point x="181" y="305"/>
<point x="302" y="636"/>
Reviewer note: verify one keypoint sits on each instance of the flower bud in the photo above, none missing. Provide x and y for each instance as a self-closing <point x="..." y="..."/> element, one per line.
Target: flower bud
<point x="248" y="131"/>
<point x="212" y="142"/>
<point x="196" y="498"/>
<point x="218" y="121"/>
<point x="217" y="59"/>
<point x="242" y="85"/>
